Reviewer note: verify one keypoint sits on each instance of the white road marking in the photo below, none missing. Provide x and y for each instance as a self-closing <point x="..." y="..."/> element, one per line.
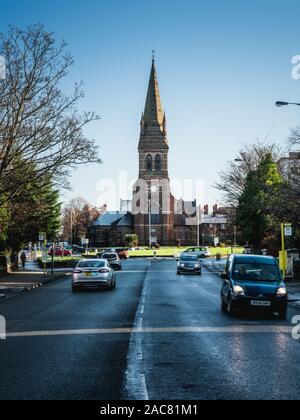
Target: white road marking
<point x="231" y="329"/>
<point x="139" y="348"/>
<point x="136" y="387"/>
<point x="140" y="324"/>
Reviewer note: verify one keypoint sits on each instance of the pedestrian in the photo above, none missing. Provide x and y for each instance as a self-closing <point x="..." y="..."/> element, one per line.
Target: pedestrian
<point x="23" y="260"/>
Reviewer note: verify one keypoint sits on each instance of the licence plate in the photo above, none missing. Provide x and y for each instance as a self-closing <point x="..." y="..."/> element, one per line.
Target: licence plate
<point x="260" y="303"/>
<point x="88" y="274"/>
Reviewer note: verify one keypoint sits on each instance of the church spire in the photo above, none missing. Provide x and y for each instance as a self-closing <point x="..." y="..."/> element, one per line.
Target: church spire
<point x="154" y="114"/>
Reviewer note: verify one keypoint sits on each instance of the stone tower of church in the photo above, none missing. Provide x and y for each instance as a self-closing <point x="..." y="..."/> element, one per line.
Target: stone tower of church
<point x="153" y="170"/>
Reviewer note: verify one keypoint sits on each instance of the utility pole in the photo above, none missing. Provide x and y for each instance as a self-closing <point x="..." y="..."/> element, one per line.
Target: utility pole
<point x="283" y="257"/>
<point x="198" y="226"/>
<point x="71" y="225"/>
<point x="150" y="227"/>
<point x="52" y="258"/>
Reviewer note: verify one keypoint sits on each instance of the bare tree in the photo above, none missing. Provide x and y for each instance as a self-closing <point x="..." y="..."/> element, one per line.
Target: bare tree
<point x="78" y="215"/>
<point x="232" y="179"/>
<point x="288" y="203"/>
<point x="41" y="131"/>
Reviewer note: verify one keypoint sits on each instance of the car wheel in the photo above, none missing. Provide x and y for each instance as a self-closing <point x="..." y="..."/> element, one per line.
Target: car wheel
<point x="230" y="308"/>
<point x="75" y="289"/>
<point x="283" y="314"/>
<point x="178" y="272"/>
<point x="223" y="306"/>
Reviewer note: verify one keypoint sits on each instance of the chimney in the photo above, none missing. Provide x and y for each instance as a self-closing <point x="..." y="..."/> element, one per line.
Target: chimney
<point x="206" y="209"/>
<point x="215" y="209"/>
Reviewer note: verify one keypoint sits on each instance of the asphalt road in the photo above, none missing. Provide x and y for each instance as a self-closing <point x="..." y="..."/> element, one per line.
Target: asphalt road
<point x="157" y="336"/>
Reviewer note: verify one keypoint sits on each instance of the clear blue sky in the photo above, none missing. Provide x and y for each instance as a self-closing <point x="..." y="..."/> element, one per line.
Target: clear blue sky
<point x="221" y="66"/>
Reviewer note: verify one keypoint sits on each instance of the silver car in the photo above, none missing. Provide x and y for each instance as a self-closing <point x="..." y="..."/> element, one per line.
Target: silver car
<point x="93" y="274"/>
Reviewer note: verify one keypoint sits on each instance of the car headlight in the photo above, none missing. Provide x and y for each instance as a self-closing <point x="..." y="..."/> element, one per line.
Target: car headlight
<point x="197" y="266"/>
<point x="181" y="265"/>
<point x="281" y="291"/>
<point x="238" y="290"/>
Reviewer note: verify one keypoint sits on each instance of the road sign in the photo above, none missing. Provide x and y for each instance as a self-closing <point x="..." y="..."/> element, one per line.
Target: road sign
<point x="288" y="231"/>
<point x="42" y="236"/>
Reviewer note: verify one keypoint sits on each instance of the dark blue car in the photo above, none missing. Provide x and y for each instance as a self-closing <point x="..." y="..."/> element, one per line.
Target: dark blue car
<point x="253" y="282"/>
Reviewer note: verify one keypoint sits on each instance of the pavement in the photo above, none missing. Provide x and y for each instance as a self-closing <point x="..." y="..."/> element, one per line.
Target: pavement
<point x="26" y="280"/>
<point x="156" y="336"/>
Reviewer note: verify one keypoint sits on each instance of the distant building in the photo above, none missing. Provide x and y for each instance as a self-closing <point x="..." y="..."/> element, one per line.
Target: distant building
<point x="289" y="164"/>
<point x="110" y="229"/>
<point x="218" y="224"/>
<point x="154" y="214"/>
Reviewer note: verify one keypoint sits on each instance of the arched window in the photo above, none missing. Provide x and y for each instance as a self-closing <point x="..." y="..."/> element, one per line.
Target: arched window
<point x="149" y="163"/>
<point x="158" y="163"/>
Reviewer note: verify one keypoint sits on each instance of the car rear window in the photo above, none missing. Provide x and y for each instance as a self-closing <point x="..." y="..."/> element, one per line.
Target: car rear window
<point x="91" y="264"/>
<point x="109" y="256"/>
<point x="256" y="272"/>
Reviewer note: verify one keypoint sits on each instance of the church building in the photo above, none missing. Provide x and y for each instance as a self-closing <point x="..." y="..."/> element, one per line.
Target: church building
<point x="154" y="214"/>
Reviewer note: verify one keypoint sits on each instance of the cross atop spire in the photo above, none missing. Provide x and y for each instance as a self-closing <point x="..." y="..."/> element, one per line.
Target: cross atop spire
<point x="154" y="114"/>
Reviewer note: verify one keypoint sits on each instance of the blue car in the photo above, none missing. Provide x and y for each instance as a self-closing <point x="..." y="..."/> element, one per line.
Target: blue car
<point x="253" y="282"/>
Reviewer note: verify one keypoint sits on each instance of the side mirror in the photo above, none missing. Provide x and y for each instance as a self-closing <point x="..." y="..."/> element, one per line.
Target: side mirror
<point x="224" y="276"/>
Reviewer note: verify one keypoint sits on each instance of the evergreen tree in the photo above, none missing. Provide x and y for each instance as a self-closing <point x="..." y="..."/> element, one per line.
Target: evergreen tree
<point x="34" y="209"/>
<point x="254" y="214"/>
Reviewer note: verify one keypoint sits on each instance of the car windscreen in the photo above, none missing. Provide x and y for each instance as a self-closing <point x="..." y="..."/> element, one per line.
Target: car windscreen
<point x="91" y="264"/>
<point x="109" y="256"/>
<point x="189" y="258"/>
<point x="256" y="272"/>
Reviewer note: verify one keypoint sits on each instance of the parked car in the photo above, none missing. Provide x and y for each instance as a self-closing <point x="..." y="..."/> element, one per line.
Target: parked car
<point x="189" y="263"/>
<point x="113" y="259"/>
<point x="252" y="282"/>
<point x="93" y="274"/>
<point x="123" y="254"/>
<point x="59" y="252"/>
<point x="202" y="251"/>
<point x="78" y="249"/>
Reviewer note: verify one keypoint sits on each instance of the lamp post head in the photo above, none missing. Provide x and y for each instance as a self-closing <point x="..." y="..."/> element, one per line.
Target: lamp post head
<point x="279" y="104"/>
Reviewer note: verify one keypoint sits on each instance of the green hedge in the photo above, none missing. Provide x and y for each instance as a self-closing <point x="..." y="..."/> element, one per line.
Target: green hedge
<point x="65" y="263"/>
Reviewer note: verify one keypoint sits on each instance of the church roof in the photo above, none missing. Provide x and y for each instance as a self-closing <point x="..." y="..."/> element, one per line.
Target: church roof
<point x="154" y="112"/>
<point x="108" y="218"/>
<point x="115" y="218"/>
<point x="126" y="221"/>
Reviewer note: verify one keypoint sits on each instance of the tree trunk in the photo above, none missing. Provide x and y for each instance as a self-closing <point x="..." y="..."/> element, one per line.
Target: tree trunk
<point x="14" y="259"/>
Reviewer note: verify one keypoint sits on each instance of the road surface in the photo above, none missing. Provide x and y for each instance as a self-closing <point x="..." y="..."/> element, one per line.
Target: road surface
<point x="157" y="336"/>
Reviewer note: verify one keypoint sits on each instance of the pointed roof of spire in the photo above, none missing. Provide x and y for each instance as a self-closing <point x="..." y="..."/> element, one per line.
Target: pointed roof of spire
<point x="154" y="112"/>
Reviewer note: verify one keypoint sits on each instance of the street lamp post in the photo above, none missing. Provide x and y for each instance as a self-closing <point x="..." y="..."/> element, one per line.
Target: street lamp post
<point x="150" y="227"/>
<point x="198" y="226"/>
<point x="280" y="104"/>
